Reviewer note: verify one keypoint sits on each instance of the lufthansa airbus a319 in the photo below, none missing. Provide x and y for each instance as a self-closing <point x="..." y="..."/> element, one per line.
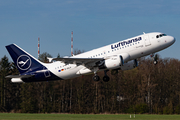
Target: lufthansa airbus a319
<point x="121" y="55"/>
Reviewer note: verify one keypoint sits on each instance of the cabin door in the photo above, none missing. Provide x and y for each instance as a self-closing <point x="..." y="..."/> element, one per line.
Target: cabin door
<point x="147" y="40"/>
<point x="46" y="72"/>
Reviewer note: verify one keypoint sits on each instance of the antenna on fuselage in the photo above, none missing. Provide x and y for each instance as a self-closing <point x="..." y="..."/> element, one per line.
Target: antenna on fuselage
<point x="144" y="33"/>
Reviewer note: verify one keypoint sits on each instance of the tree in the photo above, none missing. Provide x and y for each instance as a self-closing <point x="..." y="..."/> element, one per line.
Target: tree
<point x="77" y="51"/>
<point x="147" y="88"/>
<point x="58" y="56"/>
<point x="43" y="57"/>
<point x="4" y="71"/>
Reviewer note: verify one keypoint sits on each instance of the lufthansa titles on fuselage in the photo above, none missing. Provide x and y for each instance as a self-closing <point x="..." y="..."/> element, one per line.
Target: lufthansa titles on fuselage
<point x="123" y="43"/>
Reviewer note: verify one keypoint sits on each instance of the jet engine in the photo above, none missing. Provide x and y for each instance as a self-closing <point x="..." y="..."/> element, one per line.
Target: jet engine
<point x="114" y="62"/>
<point x="130" y="65"/>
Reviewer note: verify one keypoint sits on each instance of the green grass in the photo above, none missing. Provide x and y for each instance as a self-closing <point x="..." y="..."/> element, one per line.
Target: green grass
<point x="19" y="116"/>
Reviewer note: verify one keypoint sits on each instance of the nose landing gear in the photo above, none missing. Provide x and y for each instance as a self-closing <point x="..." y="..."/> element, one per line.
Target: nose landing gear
<point x="155" y="58"/>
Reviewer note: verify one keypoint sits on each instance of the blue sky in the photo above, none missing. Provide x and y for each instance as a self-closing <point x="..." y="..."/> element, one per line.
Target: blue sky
<point x="95" y="23"/>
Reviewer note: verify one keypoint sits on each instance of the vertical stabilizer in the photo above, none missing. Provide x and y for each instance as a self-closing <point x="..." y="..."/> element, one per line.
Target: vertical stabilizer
<point x="23" y="60"/>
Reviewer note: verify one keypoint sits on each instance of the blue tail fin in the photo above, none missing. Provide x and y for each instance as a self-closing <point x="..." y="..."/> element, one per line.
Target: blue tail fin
<point x="23" y="60"/>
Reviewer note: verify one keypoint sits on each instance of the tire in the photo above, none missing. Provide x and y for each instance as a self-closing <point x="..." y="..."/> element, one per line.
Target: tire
<point x="96" y="78"/>
<point x="155" y="62"/>
<point x="105" y="78"/>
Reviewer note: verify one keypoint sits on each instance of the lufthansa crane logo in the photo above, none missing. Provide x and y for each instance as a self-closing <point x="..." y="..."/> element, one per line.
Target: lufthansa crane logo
<point x="24" y="62"/>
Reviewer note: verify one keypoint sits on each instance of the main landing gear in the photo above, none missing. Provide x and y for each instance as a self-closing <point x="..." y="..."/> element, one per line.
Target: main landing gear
<point x="96" y="78"/>
<point x="105" y="78"/>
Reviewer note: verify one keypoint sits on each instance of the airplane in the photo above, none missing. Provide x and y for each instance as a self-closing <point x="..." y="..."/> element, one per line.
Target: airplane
<point x="120" y="55"/>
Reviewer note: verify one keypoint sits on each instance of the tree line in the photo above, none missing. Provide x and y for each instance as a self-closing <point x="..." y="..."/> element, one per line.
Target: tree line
<point x="149" y="88"/>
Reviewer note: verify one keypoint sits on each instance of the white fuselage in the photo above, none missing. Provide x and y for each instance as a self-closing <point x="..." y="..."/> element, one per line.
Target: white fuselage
<point x="134" y="48"/>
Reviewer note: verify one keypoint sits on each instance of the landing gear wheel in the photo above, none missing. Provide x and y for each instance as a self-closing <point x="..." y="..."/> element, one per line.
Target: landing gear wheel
<point x="96" y="78"/>
<point x="105" y="78"/>
<point x="155" y="62"/>
<point x="155" y="58"/>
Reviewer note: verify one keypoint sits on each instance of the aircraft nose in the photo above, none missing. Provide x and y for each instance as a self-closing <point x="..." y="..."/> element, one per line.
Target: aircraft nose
<point x="171" y="40"/>
<point x="174" y="40"/>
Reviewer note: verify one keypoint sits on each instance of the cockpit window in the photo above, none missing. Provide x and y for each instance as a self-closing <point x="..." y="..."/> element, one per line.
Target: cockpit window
<point x="164" y="34"/>
<point x="161" y="35"/>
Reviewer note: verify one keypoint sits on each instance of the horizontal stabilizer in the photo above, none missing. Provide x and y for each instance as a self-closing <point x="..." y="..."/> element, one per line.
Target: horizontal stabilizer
<point x="19" y="76"/>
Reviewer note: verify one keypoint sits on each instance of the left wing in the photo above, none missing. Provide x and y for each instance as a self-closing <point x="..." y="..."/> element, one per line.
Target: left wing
<point x="80" y="61"/>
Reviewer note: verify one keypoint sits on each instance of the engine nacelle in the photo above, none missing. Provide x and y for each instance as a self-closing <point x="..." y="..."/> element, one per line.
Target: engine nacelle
<point x="114" y="62"/>
<point x="130" y="65"/>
